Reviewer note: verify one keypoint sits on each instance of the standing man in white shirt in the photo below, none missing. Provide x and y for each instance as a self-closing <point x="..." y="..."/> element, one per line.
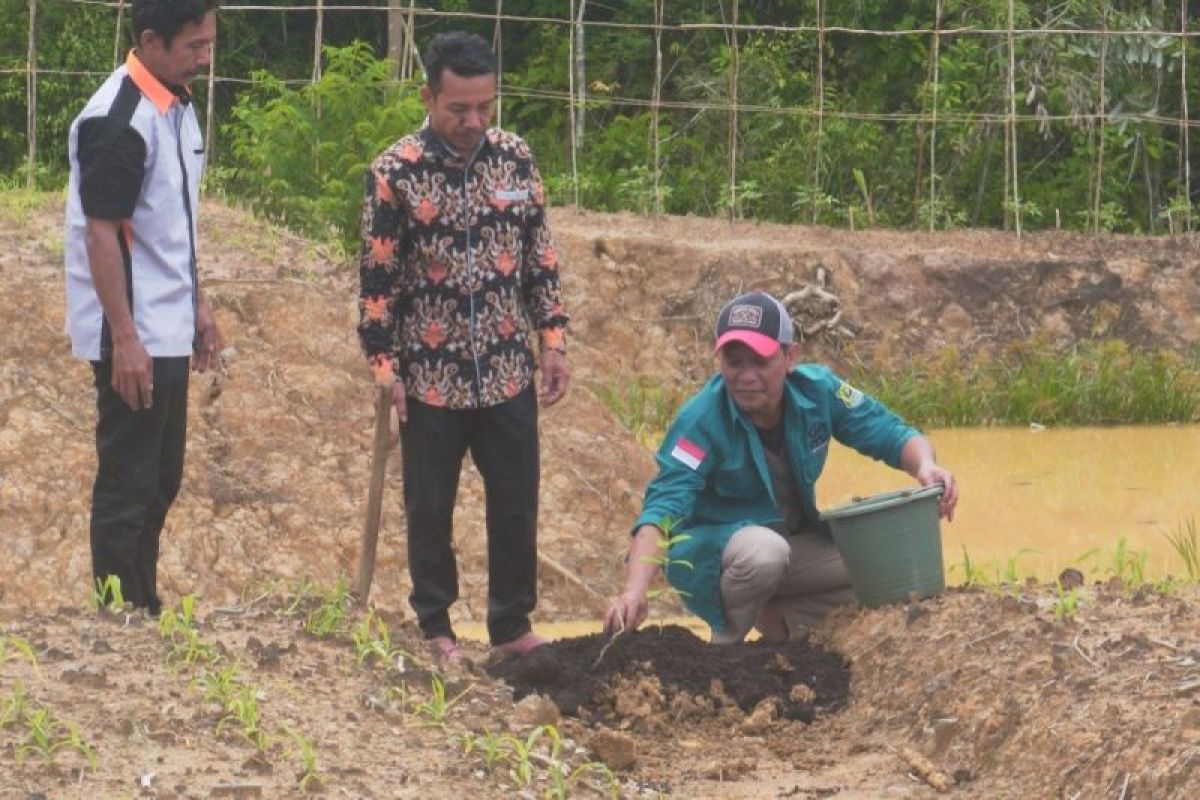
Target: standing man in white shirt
<point x="135" y="309"/>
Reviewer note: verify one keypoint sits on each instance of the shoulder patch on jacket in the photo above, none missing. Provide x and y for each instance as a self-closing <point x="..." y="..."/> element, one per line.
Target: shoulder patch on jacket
<point x="688" y="452"/>
<point x="850" y="397"/>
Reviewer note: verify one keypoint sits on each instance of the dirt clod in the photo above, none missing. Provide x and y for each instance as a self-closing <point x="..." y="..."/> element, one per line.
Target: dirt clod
<point x="682" y="666"/>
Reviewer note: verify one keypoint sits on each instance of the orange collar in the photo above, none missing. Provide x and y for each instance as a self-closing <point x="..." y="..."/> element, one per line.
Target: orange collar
<point x="150" y="86"/>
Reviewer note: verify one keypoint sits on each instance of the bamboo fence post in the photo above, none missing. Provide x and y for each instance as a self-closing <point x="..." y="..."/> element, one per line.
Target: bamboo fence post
<point x="117" y="35"/>
<point x="497" y="48"/>
<point x="31" y="94"/>
<point x="656" y="99"/>
<point x="208" y="111"/>
<point x="937" y="24"/>
<point x="571" y="100"/>
<point x="733" y="110"/>
<point x="1098" y="190"/>
<point x="318" y="35"/>
<point x="820" y="91"/>
<point x="414" y="52"/>
<point x="1012" y="119"/>
<point x="1184" y="155"/>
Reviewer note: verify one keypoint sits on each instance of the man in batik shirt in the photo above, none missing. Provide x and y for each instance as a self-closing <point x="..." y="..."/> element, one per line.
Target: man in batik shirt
<point x="459" y="288"/>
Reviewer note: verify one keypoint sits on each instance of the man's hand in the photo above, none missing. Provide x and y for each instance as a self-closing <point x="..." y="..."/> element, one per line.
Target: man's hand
<point x="133" y="373"/>
<point x="209" y="343"/>
<point x="627" y="612"/>
<point x="930" y="474"/>
<point x="556" y="376"/>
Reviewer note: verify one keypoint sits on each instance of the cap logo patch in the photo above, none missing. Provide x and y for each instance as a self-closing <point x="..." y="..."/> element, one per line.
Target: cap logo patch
<point x="745" y="316"/>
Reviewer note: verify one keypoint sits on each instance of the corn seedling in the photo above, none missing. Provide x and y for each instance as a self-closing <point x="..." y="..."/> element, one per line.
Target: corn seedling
<point x="1066" y="603"/>
<point x="1187" y="547"/>
<point x="303" y="589"/>
<point x="188" y="648"/>
<point x="373" y="640"/>
<point x="108" y="595"/>
<point x="220" y="687"/>
<point x="1011" y="574"/>
<point x="520" y="761"/>
<point x="1128" y="567"/>
<point x="973" y="574"/>
<point x="310" y="773"/>
<point x="437" y="706"/>
<point x="327" y="618"/>
<point x="20" y="646"/>
<point x="46" y="735"/>
<point x="13" y="710"/>
<point x="562" y="777"/>
<point x="243" y="708"/>
<point x="492" y="746"/>
<point x="173" y="624"/>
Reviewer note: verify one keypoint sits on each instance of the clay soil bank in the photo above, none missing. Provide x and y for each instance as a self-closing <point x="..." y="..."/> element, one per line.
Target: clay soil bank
<point x="1001" y="697"/>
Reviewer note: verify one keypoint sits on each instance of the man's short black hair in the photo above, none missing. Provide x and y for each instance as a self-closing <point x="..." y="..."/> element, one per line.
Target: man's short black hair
<point x="465" y="54"/>
<point x="167" y="17"/>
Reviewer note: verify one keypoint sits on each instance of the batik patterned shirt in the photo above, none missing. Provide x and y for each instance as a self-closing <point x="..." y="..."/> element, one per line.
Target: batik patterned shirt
<point x="458" y="274"/>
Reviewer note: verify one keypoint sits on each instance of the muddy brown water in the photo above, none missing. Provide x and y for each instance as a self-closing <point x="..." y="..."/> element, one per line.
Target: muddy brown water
<point x="1049" y="497"/>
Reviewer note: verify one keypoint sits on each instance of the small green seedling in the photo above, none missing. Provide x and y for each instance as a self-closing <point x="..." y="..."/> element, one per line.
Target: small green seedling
<point x="243" y="708"/>
<point x="220" y="687"/>
<point x="1011" y="574"/>
<point x="1128" y="567"/>
<point x="1066" y="603"/>
<point x="310" y="774"/>
<point x="1186" y="544"/>
<point x="373" y="640"/>
<point x="327" y="618"/>
<point x="492" y="746"/>
<point x="46" y="735"/>
<point x="20" y="646"/>
<point x="437" y="706"/>
<point x="303" y="588"/>
<point x="667" y="539"/>
<point x="13" y="710"/>
<point x="108" y="595"/>
<point x="973" y="574"/>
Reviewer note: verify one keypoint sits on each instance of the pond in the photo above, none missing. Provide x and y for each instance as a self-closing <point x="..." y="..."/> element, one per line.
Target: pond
<point x="1059" y="492"/>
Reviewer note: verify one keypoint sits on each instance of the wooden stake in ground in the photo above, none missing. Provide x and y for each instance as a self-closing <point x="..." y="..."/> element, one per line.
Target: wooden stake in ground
<point x="370" y="534"/>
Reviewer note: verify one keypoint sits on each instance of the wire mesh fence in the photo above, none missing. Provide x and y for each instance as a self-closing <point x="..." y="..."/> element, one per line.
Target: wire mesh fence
<point x="1040" y="78"/>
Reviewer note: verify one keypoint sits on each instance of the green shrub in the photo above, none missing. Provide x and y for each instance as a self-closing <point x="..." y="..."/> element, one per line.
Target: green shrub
<point x="300" y="155"/>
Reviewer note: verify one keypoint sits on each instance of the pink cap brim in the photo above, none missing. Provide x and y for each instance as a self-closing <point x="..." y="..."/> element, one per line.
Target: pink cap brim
<point x="760" y="343"/>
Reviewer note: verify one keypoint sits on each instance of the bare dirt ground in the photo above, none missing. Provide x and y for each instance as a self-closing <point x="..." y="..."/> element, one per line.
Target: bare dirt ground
<point x="984" y="693"/>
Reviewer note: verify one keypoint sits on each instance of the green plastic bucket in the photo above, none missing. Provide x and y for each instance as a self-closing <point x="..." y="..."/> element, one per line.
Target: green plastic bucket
<point x="892" y="545"/>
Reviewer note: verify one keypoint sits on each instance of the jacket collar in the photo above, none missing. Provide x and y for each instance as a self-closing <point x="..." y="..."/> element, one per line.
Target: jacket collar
<point x="157" y="92"/>
<point x="794" y="397"/>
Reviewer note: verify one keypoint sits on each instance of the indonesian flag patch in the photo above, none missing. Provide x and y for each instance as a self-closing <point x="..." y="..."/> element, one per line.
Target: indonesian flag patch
<point x="688" y="452"/>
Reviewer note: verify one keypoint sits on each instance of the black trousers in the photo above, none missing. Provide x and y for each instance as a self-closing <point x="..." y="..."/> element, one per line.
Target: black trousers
<point x="503" y="441"/>
<point x="140" y="468"/>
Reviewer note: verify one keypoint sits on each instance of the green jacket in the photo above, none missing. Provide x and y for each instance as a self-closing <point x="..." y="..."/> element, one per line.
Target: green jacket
<point x="713" y="478"/>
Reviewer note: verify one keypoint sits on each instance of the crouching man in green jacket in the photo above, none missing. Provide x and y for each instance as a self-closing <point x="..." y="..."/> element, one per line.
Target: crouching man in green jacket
<point x="736" y="472"/>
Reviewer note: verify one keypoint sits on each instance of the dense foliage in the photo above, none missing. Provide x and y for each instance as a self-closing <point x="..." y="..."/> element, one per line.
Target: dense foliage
<point x="865" y="155"/>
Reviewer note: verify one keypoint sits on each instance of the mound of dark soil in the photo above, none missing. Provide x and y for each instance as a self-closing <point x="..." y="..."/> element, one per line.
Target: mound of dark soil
<point x="669" y="669"/>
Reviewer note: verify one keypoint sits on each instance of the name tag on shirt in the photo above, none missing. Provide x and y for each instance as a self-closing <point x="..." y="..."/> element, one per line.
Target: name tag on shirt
<point x="512" y="195"/>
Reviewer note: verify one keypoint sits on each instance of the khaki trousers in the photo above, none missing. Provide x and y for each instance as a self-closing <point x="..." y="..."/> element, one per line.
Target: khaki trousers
<point x="803" y="575"/>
